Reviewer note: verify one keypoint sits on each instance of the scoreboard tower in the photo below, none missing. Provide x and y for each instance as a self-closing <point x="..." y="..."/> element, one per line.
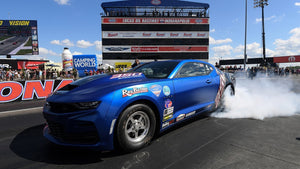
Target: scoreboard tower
<point x="155" y="30"/>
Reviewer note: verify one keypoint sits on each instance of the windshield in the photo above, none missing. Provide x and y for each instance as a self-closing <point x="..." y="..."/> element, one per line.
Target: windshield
<point x="157" y="70"/>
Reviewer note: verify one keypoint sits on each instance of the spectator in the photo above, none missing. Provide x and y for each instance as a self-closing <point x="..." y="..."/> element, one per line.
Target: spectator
<point x="136" y="63"/>
<point x="217" y="65"/>
<point x="86" y="72"/>
<point x="54" y="75"/>
<point x="40" y="74"/>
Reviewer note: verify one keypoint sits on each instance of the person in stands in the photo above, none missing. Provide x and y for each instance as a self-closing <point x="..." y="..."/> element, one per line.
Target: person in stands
<point x="136" y="63"/>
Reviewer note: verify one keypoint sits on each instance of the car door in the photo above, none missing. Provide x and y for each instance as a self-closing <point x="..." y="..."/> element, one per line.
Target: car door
<point x="194" y="86"/>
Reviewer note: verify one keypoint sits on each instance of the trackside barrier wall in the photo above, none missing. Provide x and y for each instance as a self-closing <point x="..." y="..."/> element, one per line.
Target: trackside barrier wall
<point x="12" y="91"/>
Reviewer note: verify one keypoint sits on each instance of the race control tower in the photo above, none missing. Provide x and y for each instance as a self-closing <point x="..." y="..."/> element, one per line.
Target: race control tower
<point x="155" y="29"/>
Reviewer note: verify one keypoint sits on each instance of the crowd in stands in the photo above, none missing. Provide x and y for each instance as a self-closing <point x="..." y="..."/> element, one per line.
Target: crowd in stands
<point x="262" y="71"/>
<point x="37" y="74"/>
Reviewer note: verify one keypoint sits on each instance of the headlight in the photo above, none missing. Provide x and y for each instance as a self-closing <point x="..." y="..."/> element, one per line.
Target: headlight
<point x="71" y="107"/>
<point x="88" y="105"/>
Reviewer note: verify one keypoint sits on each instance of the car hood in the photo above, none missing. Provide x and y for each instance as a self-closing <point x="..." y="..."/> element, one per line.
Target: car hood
<point x="94" y="87"/>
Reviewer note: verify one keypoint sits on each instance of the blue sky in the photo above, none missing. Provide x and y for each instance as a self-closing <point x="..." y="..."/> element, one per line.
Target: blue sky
<point x="77" y="24"/>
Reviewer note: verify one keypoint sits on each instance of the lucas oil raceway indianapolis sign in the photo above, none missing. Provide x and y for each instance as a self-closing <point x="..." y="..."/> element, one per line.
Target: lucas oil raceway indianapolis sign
<point x="29" y="90"/>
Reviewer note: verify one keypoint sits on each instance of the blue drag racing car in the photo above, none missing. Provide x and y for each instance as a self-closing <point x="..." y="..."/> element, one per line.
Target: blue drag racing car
<point x="126" y="110"/>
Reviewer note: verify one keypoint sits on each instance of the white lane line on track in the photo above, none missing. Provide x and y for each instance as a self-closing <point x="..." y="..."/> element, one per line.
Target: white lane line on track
<point x="21" y="110"/>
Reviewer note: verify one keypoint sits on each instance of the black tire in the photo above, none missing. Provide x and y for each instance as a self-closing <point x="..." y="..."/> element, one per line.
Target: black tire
<point x="228" y="91"/>
<point x="136" y="127"/>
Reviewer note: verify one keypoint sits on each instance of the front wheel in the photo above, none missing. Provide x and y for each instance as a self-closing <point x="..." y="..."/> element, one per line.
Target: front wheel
<point x="136" y="127"/>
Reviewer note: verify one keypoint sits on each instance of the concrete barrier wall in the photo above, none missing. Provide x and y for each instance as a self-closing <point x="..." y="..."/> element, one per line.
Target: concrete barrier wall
<point x="12" y="91"/>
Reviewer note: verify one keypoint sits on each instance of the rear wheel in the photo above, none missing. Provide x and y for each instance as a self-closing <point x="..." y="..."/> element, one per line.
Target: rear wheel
<point x="229" y="91"/>
<point x="136" y="127"/>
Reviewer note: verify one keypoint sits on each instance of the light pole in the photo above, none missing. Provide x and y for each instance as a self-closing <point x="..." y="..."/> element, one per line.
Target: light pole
<point x="262" y="4"/>
<point x="245" y="47"/>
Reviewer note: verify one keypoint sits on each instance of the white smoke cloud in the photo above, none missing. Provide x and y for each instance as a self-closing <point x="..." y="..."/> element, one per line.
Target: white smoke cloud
<point x="262" y="98"/>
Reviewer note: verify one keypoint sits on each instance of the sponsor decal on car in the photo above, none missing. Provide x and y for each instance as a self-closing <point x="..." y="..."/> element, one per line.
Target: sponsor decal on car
<point x="180" y="117"/>
<point x="168" y="123"/>
<point x="221" y="88"/>
<point x="166" y="90"/>
<point x="168" y="103"/>
<point x="190" y="114"/>
<point x="126" y="75"/>
<point x="168" y="117"/>
<point x="156" y="90"/>
<point x="165" y="124"/>
<point x="168" y="113"/>
<point x="133" y="91"/>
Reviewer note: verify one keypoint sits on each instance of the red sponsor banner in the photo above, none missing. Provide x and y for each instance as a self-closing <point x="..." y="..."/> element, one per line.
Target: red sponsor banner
<point x="170" y="49"/>
<point x="184" y="48"/>
<point x="179" y="34"/>
<point x="286" y="59"/>
<point x="145" y="49"/>
<point x="128" y="20"/>
<point x="11" y="91"/>
<point x="29" y="64"/>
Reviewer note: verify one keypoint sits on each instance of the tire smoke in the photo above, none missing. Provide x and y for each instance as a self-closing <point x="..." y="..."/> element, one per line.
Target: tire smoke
<point x="262" y="98"/>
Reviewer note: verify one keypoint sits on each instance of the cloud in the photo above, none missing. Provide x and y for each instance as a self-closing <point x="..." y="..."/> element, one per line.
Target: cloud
<point x="213" y="30"/>
<point x="271" y="18"/>
<point x="98" y="45"/>
<point x="297" y="3"/>
<point x="62" y="2"/>
<point x="283" y="47"/>
<point x="65" y="42"/>
<point x="77" y="53"/>
<point x="46" y="52"/>
<point x="222" y="51"/>
<point x="99" y="58"/>
<point x="212" y="41"/>
<point x="290" y="46"/>
<point x="55" y="42"/>
<point x="84" y="44"/>
<point x="258" y="20"/>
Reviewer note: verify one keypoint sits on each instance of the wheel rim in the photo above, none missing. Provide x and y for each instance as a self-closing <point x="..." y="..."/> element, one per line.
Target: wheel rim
<point x="137" y="126"/>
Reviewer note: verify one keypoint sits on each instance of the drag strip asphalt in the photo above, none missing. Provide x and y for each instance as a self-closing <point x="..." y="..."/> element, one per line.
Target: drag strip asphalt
<point x="21" y="111"/>
<point x="198" y="143"/>
<point x="19" y="106"/>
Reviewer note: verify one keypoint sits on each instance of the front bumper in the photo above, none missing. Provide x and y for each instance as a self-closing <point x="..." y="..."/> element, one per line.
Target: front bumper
<point x="86" y="129"/>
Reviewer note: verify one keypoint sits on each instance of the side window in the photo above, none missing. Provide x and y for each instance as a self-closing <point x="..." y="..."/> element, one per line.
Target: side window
<point x="193" y="69"/>
<point x="208" y="69"/>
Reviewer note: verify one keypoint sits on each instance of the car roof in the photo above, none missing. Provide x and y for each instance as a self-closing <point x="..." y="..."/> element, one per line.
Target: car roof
<point x="190" y="60"/>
